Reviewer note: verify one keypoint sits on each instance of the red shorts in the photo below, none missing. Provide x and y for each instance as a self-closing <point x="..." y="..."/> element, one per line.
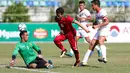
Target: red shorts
<point x="71" y="39"/>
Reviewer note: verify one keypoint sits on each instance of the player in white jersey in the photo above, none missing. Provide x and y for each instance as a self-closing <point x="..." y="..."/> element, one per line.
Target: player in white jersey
<point x="99" y="38"/>
<point x="83" y="17"/>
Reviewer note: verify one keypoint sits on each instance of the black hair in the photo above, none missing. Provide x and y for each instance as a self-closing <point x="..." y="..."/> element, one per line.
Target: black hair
<point x="96" y="2"/>
<point x="60" y="10"/>
<point x="22" y="32"/>
<point x="81" y="2"/>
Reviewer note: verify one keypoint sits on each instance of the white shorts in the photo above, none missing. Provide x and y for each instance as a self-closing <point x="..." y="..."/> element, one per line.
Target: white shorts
<point x="102" y="32"/>
<point x="82" y="33"/>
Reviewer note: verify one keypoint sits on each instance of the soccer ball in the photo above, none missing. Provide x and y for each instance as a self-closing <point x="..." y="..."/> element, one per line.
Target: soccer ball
<point x="22" y="27"/>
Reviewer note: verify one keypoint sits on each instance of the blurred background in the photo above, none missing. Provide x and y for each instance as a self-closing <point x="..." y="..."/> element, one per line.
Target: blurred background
<point x="43" y="10"/>
<point x="38" y="15"/>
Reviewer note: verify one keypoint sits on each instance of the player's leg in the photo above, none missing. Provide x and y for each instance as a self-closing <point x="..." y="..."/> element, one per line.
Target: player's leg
<point x="102" y="38"/>
<point x="84" y="34"/>
<point x="103" y="49"/>
<point x="71" y="53"/>
<point x="32" y="65"/>
<point x="97" y="47"/>
<point x="78" y="36"/>
<point x="89" y="52"/>
<point x="44" y="64"/>
<point x="88" y="39"/>
<point x="40" y="63"/>
<point x="73" y="44"/>
<point x="90" y="36"/>
<point x="58" y="39"/>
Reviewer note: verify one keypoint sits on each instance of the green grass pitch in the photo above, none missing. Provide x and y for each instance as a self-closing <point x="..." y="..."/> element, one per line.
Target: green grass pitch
<point x="118" y="59"/>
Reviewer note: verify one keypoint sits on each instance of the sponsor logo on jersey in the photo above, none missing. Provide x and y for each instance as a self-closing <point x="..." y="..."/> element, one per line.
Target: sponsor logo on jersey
<point x="40" y="33"/>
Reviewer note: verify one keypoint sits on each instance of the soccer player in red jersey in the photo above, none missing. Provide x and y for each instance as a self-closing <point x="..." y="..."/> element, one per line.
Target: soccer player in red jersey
<point x="67" y="31"/>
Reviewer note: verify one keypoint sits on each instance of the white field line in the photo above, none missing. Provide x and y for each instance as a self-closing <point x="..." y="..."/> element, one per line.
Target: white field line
<point x="26" y="69"/>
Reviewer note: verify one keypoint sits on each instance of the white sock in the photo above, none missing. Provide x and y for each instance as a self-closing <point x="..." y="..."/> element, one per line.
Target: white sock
<point x="71" y="51"/>
<point x="97" y="47"/>
<point x="91" y="53"/>
<point x="87" y="56"/>
<point x="103" y="49"/>
<point x="98" y="50"/>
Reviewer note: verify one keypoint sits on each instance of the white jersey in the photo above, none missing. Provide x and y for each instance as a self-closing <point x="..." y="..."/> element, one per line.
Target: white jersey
<point x="84" y="13"/>
<point x="100" y="16"/>
<point x="104" y="30"/>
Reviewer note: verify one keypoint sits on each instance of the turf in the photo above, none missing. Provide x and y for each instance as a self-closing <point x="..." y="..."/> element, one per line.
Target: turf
<point x="118" y="59"/>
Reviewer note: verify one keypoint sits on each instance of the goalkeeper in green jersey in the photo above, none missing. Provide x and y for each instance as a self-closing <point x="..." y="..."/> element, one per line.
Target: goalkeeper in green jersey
<point x="26" y="50"/>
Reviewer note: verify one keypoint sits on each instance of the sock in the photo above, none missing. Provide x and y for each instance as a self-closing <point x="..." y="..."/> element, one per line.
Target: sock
<point x="103" y="49"/>
<point x="71" y="51"/>
<point x="76" y="52"/>
<point x="98" y="50"/>
<point x="97" y="47"/>
<point x="91" y="53"/>
<point x="86" y="56"/>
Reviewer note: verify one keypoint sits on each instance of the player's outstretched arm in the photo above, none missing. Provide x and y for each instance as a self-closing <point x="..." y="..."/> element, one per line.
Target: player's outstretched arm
<point x="79" y="24"/>
<point x="15" y="52"/>
<point x="84" y="18"/>
<point x="13" y="60"/>
<point x="36" y="48"/>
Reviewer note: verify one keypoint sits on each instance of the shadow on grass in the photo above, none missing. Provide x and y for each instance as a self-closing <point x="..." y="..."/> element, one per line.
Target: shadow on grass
<point x="92" y="66"/>
<point x="62" y="57"/>
<point x="59" y="66"/>
<point x="70" y="65"/>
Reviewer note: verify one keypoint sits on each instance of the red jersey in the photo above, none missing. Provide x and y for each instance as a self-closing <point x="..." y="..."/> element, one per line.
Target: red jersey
<point x="65" y="24"/>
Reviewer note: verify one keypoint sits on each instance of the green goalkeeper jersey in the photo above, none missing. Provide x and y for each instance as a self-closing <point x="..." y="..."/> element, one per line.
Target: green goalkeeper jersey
<point x="26" y="50"/>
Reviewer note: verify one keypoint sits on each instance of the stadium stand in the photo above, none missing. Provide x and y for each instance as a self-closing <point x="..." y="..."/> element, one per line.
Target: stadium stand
<point x="41" y="10"/>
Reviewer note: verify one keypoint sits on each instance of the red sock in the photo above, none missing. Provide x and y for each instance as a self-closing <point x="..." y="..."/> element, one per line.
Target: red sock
<point x="76" y="52"/>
